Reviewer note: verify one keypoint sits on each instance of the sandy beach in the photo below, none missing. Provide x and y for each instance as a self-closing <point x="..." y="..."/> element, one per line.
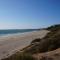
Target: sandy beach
<point x="13" y="43"/>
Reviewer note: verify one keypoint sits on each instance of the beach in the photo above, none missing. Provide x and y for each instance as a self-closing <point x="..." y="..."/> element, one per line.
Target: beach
<point x="13" y="43"/>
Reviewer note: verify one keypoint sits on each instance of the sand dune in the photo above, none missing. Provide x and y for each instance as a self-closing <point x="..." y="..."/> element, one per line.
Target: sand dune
<point x="11" y="44"/>
<point x="51" y="55"/>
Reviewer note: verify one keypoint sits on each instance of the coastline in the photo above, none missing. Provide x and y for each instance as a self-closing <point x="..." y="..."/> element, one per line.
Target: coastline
<point x="11" y="44"/>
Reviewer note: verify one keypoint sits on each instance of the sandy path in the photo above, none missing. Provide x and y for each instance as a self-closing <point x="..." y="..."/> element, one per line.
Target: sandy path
<point x="11" y="44"/>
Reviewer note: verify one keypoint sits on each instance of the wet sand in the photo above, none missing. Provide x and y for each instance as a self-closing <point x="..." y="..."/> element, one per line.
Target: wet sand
<point x="13" y="43"/>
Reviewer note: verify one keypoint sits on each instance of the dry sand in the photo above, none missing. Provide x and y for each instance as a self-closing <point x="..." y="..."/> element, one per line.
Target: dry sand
<point x="50" y="55"/>
<point x="11" y="44"/>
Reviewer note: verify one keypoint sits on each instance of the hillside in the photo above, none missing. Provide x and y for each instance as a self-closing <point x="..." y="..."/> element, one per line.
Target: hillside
<point x="47" y="48"/>
<point x="50" y="42"/>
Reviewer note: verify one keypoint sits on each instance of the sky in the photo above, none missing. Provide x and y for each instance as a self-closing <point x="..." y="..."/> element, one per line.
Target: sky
<point x="29" y="14"/>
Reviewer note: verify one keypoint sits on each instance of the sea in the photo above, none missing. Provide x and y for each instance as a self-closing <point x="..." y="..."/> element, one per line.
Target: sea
<point x="15" y="31"/>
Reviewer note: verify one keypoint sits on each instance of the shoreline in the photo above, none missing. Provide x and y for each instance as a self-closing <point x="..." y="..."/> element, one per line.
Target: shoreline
<point x="16" y="34"/>
<point x="11" y="44"/>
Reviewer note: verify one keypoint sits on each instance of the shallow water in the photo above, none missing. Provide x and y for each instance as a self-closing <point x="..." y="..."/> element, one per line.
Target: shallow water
<point x="14" y="31"/>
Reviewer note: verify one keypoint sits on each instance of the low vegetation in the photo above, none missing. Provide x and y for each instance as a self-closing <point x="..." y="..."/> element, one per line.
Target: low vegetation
<point x="20" y="56"/>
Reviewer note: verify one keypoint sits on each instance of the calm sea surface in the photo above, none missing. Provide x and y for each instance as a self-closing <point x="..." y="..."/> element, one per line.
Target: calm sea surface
<point x="14" y="31"/>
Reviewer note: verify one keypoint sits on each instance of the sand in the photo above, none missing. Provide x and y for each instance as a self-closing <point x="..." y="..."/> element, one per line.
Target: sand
<point x="13" y="43"/>
<point x="50" y="55"/>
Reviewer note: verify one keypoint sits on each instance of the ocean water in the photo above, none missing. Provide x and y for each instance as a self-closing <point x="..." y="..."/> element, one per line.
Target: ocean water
<point x="14" y="31"/>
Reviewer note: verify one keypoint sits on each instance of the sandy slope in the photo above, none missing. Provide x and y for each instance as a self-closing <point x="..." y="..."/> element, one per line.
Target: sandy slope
<point x="11" y="44"/>
<point x="51" y="55"/>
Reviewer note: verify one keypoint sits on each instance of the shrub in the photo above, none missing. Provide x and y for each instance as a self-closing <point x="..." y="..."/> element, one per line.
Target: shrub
<point x="21" y="56"/>
<point x="36" y="40"/>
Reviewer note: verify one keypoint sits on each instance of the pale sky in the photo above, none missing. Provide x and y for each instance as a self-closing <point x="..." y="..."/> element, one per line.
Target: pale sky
<point x="24" y="14"/>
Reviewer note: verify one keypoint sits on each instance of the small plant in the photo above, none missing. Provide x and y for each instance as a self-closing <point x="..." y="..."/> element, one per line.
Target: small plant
<point x="36" y="40"/>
